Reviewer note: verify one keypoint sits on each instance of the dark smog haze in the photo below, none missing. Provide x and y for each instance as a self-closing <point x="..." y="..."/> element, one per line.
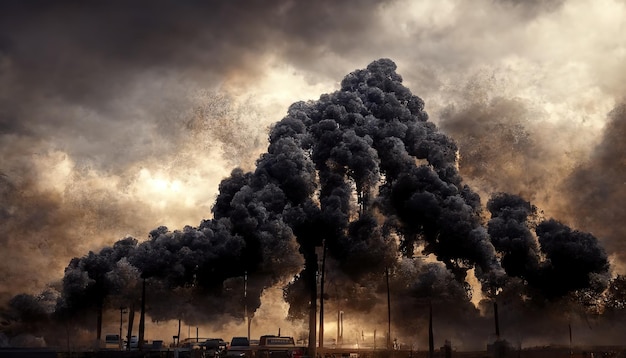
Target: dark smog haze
<point x="472" y="151"/>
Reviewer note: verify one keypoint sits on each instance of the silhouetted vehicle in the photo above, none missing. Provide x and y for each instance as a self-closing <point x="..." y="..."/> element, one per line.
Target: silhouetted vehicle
<point x="215" y="347"/>
<point x="112" y="341"/>
<point x="239" y="342"/>
<point x="239" y="348"/>
<point x="134" y="342"/>
<point x="192" y="342"/>
<point x="278" y="347"/>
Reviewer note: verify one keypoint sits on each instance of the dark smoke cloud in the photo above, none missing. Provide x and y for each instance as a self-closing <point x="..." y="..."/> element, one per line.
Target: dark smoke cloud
<point x="421" y="203"/>
<point x="66" y="64"/>
<point x="573" y="260"/>
<point x="510" y="232"/>
<point x="576" y="260"/>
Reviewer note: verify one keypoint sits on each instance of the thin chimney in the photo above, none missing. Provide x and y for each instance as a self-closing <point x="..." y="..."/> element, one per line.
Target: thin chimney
<point x="431" y="339"/>
<point x="497" y="319"/>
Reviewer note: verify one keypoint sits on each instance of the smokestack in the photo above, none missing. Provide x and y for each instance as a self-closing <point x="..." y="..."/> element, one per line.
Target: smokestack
<point x="321" y="335"/>
<point x="99" y="319"/>
<point x="570" y="337"/>
<point x="142" y="317"/>
<point x="245" y="301"/>
<point x="388" y="310"/>
<point x="431" y="339"/>
<point x="497" y="319"/>
<point x="122" y="311"/>
<point x="249" y="322"/>
<point x="312" y="307"/>
<point x="131" y="320"/>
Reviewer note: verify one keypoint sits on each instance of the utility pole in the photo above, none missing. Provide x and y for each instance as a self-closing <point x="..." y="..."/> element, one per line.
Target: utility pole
<point x="99" y="320"/>
<point x="142" y="316"/>
<point x="431" y="339"/>
<point x="131" y="321"/>
<point x="496" y="319"/>
<point x="321" y="334"/>
<point x="388" y="310"/>
<point x="569" y="327"/>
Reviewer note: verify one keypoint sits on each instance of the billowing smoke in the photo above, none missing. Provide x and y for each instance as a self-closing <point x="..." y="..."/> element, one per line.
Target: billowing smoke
<point x="596" y="189"/>
<point x="573" y="259"/>
<point x="364" y="175"/>
<point x="511" y="235"/>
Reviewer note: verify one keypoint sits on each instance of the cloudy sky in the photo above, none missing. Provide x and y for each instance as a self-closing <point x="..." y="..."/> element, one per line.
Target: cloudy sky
<point x="119" y="117"/>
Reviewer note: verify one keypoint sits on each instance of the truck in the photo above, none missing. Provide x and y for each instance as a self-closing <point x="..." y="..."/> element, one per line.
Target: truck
<point x="271" y="346"/>
<point x="112" y="341"/>
<point x="239" y="348"/>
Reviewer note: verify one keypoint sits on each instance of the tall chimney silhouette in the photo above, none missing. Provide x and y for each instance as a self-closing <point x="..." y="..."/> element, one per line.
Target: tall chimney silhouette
<point x="431" y="339"/>
<point x="142" y="316"/>
<point x="497" y="319"/>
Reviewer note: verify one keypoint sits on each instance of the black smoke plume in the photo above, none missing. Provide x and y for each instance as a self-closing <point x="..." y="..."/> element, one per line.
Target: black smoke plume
<point x="362" y="172"/>
<point x="573" y="260"/>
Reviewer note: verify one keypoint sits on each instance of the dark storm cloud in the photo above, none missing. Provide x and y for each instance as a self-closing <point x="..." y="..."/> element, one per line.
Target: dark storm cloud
<point x="61" y="58"/>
